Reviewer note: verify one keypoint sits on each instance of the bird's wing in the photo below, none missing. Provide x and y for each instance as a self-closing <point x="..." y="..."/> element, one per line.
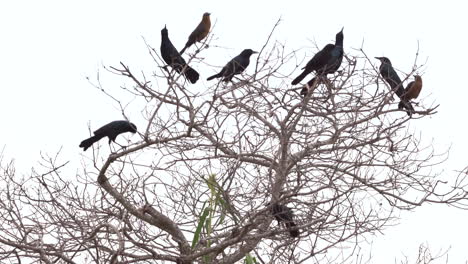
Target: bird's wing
<point x="321" y="58"/>
<point x="198" y="32"/>
<point x="408" y="87"/>
<point x="172" y="57"/>
<point x="229" y="68"/>
<point x="393" y="77"/>
<point x="103" y="130"/>
<point x="240" y="63"/>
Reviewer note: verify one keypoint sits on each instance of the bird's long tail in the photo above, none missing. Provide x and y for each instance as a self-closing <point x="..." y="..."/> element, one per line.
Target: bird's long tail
<point x="399" y="90"/>
<point x="304" y="91"/>
<point x="191" y="74"/>
<point x="214" y="76"/>
<point x="310" y="84"/>
<point x="299" y="78"/>
<point x="406" y="105"/>
<point x="182" y="51"/>
<point x="293" y="230"/>
<point x="85" y="144"/>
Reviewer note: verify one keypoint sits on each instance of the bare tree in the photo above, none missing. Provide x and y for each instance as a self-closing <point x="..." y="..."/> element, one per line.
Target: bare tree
<point x="198" y="183"/>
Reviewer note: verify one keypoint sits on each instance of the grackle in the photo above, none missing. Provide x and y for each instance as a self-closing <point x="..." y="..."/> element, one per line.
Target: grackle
<point x="200" y="32"/>
<point x="412" y="90"/>
<point x="172" y="57"/>
<point x="284" y="214"/>
<point x="111" y="130"/>
<point x="391" y="77"/>
<point x="235" y="66"/>
<point x="326" y="61"/>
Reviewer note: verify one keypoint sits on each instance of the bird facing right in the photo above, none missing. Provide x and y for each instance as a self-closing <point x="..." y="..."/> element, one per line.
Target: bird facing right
<point x="326" y="61"/>
<point x="412" y="90"/>
<point x="200" y="32"/>
<point x="111" y="130"/>
<point x="235" y="66"/>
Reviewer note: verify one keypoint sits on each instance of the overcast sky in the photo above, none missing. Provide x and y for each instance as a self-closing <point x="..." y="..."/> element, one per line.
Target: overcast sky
<point x="48" y="48"/>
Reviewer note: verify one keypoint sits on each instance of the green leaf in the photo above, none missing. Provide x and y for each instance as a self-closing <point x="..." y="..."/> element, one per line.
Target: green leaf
<point x="206" y="259"/>
<point x="211" y="182"/>
<point x="196" y="236"/>
<point x="220" y="200"/>
<point x="208" y="225"/>
<point x="249" y="259"/>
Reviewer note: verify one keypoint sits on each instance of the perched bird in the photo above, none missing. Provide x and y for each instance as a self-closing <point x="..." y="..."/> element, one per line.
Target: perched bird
<point x="327" y="60"/>
<point x="111" y="130"/>
<point x="172" y="57"/>
<point x="235" y="66"/>
<point x="412" y="90"/>
<point x="391" y="77"/>
<point x="284" y="214"/>
<point x="200" y="32"/>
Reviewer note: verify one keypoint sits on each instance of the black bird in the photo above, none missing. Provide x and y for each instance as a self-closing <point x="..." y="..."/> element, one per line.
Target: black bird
<point x="391" y="77"/>
<point x="327" y="60"/>
<point x="200" y="32"/>
<point x="172" y="57"/>
<point x="235" y="66"/>
<point x="111" y="130"/>
<point x="284" y="214"/>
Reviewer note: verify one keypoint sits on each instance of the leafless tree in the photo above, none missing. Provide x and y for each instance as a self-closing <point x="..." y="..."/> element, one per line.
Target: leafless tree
<point x="196" y="185"/>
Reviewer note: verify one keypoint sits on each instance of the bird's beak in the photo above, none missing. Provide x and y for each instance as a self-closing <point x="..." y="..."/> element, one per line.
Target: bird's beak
<point x="164" y="26"/>
<point x="253" y="52"/>
<point x="342" y="29"/>
<point x="379" y="58"/>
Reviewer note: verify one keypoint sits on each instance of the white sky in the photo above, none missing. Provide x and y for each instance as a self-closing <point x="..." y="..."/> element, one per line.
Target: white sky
<point x="47" y="48"/>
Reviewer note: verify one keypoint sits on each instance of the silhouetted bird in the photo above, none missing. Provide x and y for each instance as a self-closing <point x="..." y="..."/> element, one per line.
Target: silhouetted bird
<point x="111" y="130"/>
<point x="284" y="214"/>
<point x="235" y="66"/>
<point x="172" y="57"/>
<point x="200" y="32"/>
<point x="327" y="60"/>
<point x="391" y="77"/>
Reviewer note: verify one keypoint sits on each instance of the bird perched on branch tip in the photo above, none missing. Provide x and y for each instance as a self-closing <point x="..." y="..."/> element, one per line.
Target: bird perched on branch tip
<point x="111" y="130"/>
<point x="200" y="32"/>
<point x="235" y="66"/>
<point x="326" y="61"/>
<point x="389" y="74"/>
<point x="172" y="57"/>
<point x="412" y="90"/>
